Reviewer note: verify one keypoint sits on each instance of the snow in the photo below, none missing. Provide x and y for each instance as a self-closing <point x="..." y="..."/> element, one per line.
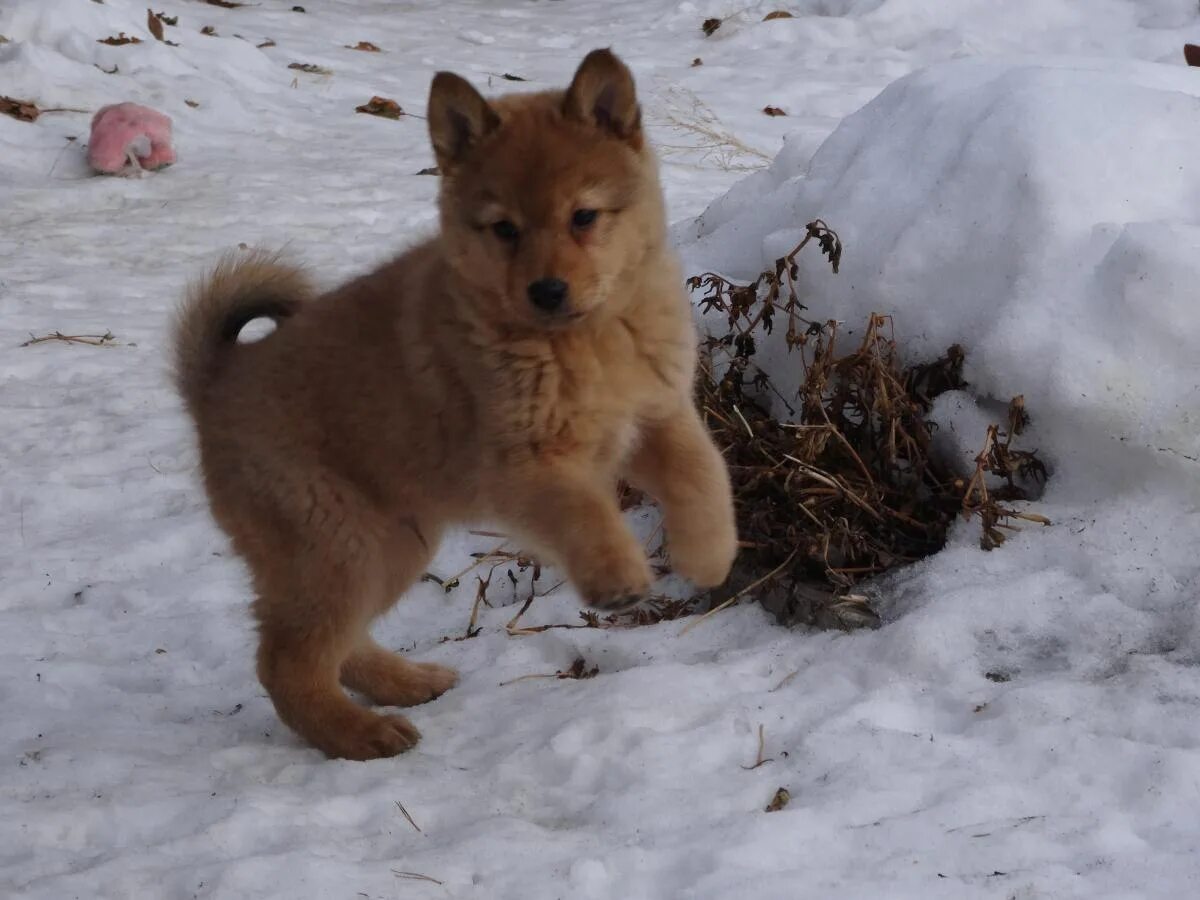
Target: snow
<point x="1025" y="723"/>
<point x="1037" y="213"/>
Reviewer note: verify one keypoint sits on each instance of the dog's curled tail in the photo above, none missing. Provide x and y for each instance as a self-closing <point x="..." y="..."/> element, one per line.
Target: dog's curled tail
<point x="242" y="288"/>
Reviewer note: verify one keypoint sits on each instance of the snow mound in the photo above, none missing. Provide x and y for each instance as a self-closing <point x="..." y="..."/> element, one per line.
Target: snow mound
<point x="1043" y="215"/>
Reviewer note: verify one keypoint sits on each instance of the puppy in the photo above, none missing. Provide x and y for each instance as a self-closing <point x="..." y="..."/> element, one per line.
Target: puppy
<point x="511" y="369"/>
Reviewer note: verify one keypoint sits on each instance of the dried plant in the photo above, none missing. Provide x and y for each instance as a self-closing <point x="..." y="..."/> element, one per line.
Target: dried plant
<point x="701" y="134"/>
<point x="843" y="486"/>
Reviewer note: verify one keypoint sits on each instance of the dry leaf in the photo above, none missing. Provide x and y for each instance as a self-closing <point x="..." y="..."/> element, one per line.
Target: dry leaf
<point x="1191" y="52"/>
<point x="267" y="43"/>
<point x="113" y="71"/>
<point x="381" y="106"/>
<point x="192" y="103"/>
<point x="779" y="801"/>
<point x="364" y="45"/>
<point x="778" y="14"/>
<point x="709" y="26"/>
<point x="432" y="170"/>
<point x="22" y="110"/>
<point x="120" y="40"/>
<point x="310" y="68"/>
<point x="224" y="4"/>
<point x="209" y="30"/>
<point x="155" y="22"/>
<point x="3" y="39"/>
<point x="697" y="62"/>
<point x="773" y="111"/>
<point x="510" y="77"/>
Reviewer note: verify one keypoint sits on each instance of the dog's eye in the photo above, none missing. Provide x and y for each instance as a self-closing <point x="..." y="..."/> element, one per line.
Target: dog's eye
<point x="505" y="230"/>
<point x="583" y="218"/>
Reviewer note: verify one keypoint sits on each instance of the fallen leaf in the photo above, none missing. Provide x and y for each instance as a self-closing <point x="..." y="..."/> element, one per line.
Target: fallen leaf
<point x="364" y="45"/>
<point x="773" y="111"/>
<point x="778" y="14"/>
<point x="224" y="4"/>
<point x="113" y="71"/>
<point x="3" y="39"/>
<point x="381" y="106"/>
<point x="120" y="40"/>
<point x="432" y="170"/>
<point x="779" y="801"/>
<point x="1191" y="52"/>
<point x="299" y="9"/>
<point x="168" y="20"/>
<point x="709" y="26"/>
<point x="697" y="62"/>
<point x="192" y="103"/>
<point x="155" y="26"/>
<point x="267" y="43"/>
<point x="22" y="110"/>
<point x="209" y="30"/>
<point x="508" y="76"/>
<point x="310" y="68"/>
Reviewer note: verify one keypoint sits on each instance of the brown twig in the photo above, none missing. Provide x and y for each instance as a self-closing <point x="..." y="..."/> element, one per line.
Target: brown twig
<point x="415" y="876"/>
<point x="96" y="340"/>
<point x="411" y="822"/>
<point x="760" y="758"/>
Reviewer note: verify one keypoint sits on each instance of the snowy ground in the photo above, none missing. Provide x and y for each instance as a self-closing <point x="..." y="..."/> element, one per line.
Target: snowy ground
<point x="1024" y="726"/>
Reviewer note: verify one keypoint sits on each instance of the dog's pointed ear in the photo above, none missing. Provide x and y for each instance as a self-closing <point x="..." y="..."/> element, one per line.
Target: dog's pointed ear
<point x="602" y="94"/>
<point x="459" y="118"/>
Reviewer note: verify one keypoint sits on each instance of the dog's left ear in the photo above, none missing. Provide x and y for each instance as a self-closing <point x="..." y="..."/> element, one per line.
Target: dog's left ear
<point x="602" y="94"/>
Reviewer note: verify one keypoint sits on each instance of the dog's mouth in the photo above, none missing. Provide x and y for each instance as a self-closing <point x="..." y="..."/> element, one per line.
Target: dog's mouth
<point x="562" y="320"/>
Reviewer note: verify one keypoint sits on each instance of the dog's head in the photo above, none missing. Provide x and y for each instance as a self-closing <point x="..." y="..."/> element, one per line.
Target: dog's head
<point x="548" y="200"/>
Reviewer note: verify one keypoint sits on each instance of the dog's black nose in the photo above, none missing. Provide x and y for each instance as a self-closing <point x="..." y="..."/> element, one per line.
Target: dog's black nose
<point x="548" y="294"/>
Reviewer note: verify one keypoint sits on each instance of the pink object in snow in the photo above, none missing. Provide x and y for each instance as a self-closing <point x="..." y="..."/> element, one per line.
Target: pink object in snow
<point x="129" y="134"/>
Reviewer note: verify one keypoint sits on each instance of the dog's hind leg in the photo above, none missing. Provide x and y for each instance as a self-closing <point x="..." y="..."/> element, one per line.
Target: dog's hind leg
<point x="387" y="678"/>
<point x="323" y="585"/>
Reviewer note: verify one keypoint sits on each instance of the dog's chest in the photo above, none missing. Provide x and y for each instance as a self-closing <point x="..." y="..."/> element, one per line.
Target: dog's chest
<point x="586" y="396"/>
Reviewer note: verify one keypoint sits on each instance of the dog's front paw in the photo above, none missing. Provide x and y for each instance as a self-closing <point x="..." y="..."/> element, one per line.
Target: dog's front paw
<point x="704" y="555"/>
<point x="614" y="578"/>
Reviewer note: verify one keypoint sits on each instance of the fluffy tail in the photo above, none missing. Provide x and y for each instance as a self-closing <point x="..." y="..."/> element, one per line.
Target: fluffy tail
<point x="240" y="289"/>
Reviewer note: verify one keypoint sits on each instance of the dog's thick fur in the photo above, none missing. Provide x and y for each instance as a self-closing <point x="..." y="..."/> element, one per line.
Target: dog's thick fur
<point x="434" y="392"/>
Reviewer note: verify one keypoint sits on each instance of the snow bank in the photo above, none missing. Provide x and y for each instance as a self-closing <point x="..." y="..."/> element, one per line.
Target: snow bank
<point x="1043" y="215"/>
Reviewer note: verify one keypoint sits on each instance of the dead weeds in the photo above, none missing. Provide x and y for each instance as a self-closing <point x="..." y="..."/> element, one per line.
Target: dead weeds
<point x="838" y="483"/>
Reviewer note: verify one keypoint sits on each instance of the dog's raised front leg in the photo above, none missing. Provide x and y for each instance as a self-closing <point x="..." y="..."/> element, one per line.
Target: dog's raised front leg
<point x="678" y="464"/>
<point x="577" y="522"/>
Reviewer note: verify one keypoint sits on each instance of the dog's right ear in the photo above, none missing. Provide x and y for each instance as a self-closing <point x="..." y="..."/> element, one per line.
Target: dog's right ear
<point x="459" y="118"/>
